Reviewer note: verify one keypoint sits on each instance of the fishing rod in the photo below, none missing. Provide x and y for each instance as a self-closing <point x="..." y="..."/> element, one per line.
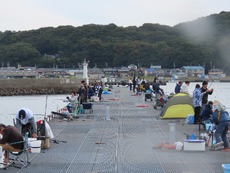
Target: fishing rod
<point x="46" y="105"/>
<point x="210" y="85"/>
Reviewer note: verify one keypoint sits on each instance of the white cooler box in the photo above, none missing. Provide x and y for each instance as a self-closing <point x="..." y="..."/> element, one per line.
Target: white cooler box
<point x="194" y="145"/>
<point x="35" y="145"/>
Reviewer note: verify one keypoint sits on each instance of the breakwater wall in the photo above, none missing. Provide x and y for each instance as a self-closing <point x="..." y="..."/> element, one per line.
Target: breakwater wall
<point x="9" y="87"/>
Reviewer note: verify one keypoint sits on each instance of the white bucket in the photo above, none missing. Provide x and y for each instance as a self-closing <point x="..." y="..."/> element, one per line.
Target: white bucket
<point x="36" y="143"/>
<point x="35" y="146"/>
<point x="35" y="150"/>
<point x="1" y="157"/>
<point x="179" y="146"/>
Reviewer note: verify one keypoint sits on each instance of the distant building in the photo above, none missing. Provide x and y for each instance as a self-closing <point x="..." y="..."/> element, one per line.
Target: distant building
<point x="123" y="72"/>
<point x="52" y="72"/>
<point x="216" y="73"/>
<point x="177" y="73"/>
<point x="160" y="73"/>
<point x="109" y="71"/>
<point x="193" y="71"/>
<point x="156" y="67"/>
<point x="95" y="73"/>
<point x="12" y="72"/>
<point x="150" y="71"/>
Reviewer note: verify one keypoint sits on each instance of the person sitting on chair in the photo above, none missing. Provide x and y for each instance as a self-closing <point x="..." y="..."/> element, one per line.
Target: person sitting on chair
<point x="72" y="102"/>
<point x="25" y="122"/>
<point x="11" y="140"/>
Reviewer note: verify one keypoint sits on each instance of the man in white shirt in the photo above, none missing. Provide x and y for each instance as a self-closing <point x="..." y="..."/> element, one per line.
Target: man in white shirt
<point x="184" y="87"/>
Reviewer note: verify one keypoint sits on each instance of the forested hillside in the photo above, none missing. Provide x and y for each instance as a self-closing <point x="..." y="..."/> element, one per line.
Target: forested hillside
<point x="204" y="41"/>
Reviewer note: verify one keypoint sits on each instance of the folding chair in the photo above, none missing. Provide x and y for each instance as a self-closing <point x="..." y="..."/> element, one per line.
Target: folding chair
<point x="74" y="114"/>
<point x="17" y="157"/>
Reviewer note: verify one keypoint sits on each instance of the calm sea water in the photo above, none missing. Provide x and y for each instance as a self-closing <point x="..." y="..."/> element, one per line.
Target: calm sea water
<point x="42" y="104"/>
<point x="221" y="91"/>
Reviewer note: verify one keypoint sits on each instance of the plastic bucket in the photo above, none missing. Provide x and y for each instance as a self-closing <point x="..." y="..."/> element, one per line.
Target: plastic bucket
<point x="36" y="143"/>
<point x="1" y="157"/>
<point x="179" y="146"/>
<point x="226" y="168"/>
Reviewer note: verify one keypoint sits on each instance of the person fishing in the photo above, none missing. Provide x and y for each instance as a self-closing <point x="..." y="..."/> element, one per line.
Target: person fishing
<point x="72" y="102"/>
<point x="158" y="91"/>
<point x="204" y="89"/>
<point x="25" y="122"/>
<point x="222" y="120"/>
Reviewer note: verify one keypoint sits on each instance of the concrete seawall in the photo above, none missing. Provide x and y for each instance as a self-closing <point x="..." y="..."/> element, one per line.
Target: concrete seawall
<point x="10" y="87"/>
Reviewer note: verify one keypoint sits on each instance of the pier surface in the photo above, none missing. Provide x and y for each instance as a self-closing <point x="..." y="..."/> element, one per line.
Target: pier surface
<point x="122" y="135"/>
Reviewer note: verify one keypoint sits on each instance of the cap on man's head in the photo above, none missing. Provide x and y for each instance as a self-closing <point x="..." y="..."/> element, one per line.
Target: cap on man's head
<point x="21" y="114"/>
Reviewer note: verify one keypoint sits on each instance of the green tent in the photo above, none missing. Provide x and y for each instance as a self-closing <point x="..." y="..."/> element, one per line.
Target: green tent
<point x="178" y="106"/>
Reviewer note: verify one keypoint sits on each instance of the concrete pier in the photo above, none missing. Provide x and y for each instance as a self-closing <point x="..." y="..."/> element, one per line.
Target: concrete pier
<point x="126" y="142"/>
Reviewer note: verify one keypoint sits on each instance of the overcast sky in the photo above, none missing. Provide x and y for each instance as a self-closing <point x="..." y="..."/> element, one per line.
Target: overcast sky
<point x="23" y="15"/>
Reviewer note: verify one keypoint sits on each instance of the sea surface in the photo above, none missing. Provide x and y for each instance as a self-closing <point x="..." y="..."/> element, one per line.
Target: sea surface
<point x="42" y="105"/>
<point x="221" y="91"/>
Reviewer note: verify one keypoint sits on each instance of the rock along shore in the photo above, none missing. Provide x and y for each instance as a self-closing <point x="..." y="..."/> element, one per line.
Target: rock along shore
<point x="10" y="87"/>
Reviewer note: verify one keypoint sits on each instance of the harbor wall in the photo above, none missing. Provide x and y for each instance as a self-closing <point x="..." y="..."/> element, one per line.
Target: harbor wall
<point x="10" y="87"/>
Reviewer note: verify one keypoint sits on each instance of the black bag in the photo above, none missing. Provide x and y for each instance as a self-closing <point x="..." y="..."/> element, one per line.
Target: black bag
<point x="41" y="129"/>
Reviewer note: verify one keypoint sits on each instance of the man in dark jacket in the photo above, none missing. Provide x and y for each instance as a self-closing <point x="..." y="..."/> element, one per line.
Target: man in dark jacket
<point x="158" y="91"/>
<point x="12" y="140"/>
<point x="204" y="89"/>
<point x="178" y="87"/>
<point x="134" y="84"/>
<point x="207" y="111"/>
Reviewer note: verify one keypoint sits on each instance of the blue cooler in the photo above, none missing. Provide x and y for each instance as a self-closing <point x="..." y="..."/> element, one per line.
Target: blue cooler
<point x="209" y="127"/>
<point x="226" y="168"/>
